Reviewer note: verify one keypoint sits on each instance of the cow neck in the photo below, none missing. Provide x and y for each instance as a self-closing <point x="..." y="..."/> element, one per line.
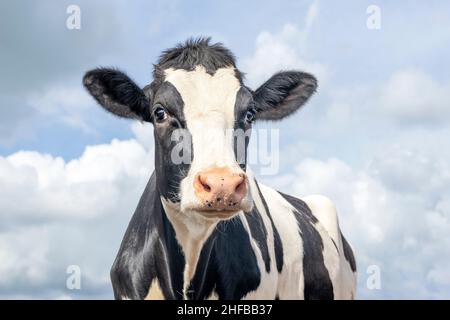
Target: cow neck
<point x="191" y="232"/>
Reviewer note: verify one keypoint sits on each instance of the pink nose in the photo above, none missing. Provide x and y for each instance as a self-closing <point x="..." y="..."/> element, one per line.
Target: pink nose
<point x="220" y="189"/>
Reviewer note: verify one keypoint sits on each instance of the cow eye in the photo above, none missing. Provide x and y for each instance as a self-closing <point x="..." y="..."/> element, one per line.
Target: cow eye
<point x="250" y="115"/>
<point x="159" y="113"/>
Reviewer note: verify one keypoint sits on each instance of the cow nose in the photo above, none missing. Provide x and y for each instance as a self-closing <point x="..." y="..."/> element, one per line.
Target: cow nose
<point x="220" y="189"/>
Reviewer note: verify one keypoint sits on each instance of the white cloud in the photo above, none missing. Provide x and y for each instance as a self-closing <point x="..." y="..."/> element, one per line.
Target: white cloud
<point x="66" y="105"/>
<point x="144" y="133"/>
<point x="413" y="96"/>
<point x="407" y="97"/>
<point x="311" y="15"/>
<point x="284" y="50"/>
<point x="41" y="186"/>
<point x="40" y="52"/>
<point x="24" y="256"/>
<point x="440" y="275"/>
<point x="56" y="213"/>
<point x="70" y="104"/>
<point x="409" y="172"/>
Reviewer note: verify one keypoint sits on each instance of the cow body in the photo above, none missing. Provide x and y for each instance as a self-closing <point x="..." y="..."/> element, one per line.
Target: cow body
<point x="204" y="228"/>
<point x="285" y="248"/>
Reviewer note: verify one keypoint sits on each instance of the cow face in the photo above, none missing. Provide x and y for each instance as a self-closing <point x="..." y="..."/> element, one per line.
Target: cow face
<point x="202" y="114"/>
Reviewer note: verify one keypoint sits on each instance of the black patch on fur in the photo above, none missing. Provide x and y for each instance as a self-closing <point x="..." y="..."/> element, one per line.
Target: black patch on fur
<point x="235" y="260"/>
<point x="117" y="93"/>
<point x="318" y="285"/>
<point x="168" y="96"/>
<point x="168" y="173"/>
<point x="348" y="253"/>
<point x="242" y="129"/>
<point x="276" y="236"/>
<point x="259" y="233"/>
<point x="283" y="94"/>
<point x="227" y="263"/>
<point x="149" y="250"/>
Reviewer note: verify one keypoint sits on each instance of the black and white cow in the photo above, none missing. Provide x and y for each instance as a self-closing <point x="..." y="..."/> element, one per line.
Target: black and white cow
<point x="206" y="228"/>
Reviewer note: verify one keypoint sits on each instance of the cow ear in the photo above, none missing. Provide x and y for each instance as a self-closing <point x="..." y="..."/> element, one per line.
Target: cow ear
<point x="117" y="93"/>
<point x="283" y="94"/>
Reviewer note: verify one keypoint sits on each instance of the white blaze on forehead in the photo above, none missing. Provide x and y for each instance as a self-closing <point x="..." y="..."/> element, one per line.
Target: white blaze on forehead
<point x="209" y="102"/>
<point x="203" y="93"/>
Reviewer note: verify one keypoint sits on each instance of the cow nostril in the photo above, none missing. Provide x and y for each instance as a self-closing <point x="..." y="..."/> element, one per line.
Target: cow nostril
<point x="204" y="185"/>
<point x="240" y="188"/>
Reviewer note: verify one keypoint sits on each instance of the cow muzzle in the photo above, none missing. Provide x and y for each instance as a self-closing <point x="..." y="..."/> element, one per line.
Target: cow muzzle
<point x="220" y="189"/>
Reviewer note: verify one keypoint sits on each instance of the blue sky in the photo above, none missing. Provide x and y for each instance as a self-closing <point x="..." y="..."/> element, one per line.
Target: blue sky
<point x="374" y="138"/>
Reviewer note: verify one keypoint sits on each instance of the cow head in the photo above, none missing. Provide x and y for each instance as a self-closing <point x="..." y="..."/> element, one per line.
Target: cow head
<point x="198" y="99"/>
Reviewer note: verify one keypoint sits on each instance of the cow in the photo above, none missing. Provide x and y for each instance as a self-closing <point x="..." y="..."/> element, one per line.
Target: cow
<point x="205" y="228"/>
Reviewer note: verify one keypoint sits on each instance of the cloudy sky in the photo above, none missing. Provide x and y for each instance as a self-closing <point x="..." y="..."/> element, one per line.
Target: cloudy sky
<point x="375" y="138"/>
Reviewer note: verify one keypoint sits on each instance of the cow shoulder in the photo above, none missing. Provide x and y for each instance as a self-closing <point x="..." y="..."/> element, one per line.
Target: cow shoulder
<point x="141" y="268"/>
<point x="317" y="270"/>
<point x="343" y="272"/>
<point x="325" y="211"/>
